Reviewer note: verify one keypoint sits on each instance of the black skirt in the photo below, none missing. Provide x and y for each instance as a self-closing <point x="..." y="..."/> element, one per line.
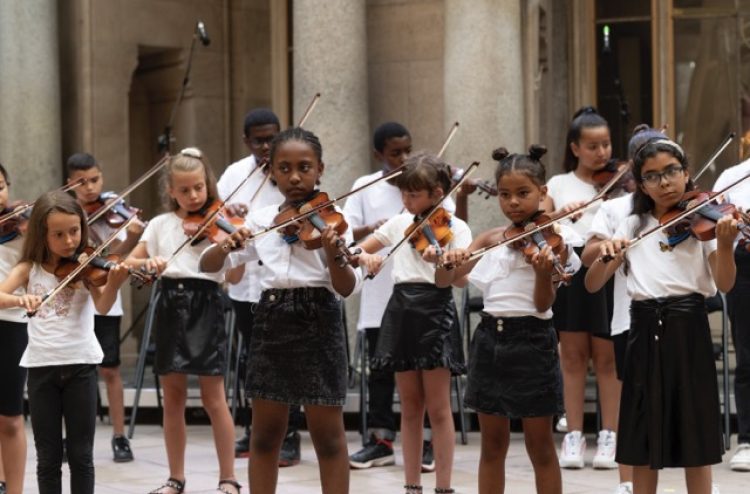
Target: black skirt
<point x="669" y="410"/>
<point x="577" y="310"/>
<point x="514" y="368"/>
<point x="190" y="329"/>
<point x="298" y="348"/>
<point x="420" y="331"/>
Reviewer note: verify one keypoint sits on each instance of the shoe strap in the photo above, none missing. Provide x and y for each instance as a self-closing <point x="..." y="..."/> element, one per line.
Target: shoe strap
<point x="444" y="490"/>
<point x="231" y="482"/>
<point x="413" y="488"/>
<point x="172" y="483"/>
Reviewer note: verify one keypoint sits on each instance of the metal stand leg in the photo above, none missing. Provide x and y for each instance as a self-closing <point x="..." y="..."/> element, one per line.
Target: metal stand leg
<point x="229" y="321"/>
<point x="141" y="366"/>
<point x="725" y="371"/>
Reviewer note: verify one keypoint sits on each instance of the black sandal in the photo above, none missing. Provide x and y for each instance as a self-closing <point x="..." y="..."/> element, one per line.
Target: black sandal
<point x="231" y="482"/>
<point x="413" y="489"/>
<point x="444" y="490"/>
<point x="172" y="483"/>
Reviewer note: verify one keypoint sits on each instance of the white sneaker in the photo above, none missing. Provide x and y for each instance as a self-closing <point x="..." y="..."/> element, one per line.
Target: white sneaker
<point x="740" y="462"/>
<point x="606" y="444"/>
<point x="573" y="449"/>
<point x="624" y="488"/>
<point x="562" y="424"/>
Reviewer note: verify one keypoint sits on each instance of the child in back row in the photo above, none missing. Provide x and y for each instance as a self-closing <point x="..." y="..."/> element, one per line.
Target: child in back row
<point x="514" y="368"/>
<point x="62" y="352"/>
<point x="419" y="338"/>
<point x="298" y="348"/>
<point x="669" y="411"/>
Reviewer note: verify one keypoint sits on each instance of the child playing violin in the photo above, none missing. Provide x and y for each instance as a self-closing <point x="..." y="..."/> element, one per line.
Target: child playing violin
<point x="514" y="368"/>
<point x="84" y="167"/>
<point x="419" y="338"/>
<point x="189" y="319"/>
<point x="13" y="340"/>
<point x="669" y="411"/>
<point x="62" y="352"/>
<point x="298" y="349"/>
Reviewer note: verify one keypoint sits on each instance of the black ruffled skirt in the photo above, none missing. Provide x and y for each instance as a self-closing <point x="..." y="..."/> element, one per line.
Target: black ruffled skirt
<point x="669" y="410"/>
<point x="190" y="333"/>
<point x="420" y="331"/>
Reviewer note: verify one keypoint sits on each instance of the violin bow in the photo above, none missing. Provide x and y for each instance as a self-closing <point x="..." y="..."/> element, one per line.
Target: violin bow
<point x="716" y="154"/>
<point x="688" y="211"/>
<point x="448" y="139"/>
<point x="21" y="209"/>
<point x="301" y="122"/>
<point x="426" y="216"/>
<point x="81" y="266"/>
<point x="485" y="250"/>
<point x="127" y="190"/>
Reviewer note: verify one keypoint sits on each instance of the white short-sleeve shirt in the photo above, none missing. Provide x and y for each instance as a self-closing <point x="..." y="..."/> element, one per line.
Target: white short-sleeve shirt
<point x="408" y="265"/>
<point x="101" y="231"/>
<point x="377" y="202"/>
<point x="507" y="281"/>
<point x="567" y="188"/>
<point x="607" y="219"/>
<point x="248" y="289"/>
<point x="163" y="235"/>
<point x="653" y="273"/>
<point x="739" y="195"/>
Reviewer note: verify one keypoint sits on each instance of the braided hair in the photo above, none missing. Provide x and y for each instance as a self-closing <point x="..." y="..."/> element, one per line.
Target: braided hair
<point x="297" y="134"/>
<point x="528" y="164"/>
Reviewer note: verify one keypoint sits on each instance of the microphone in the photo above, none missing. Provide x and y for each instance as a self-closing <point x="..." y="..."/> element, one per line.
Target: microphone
<point x="200" y="30"/>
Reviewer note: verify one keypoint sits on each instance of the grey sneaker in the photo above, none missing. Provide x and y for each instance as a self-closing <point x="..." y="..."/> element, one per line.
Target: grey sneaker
<point x="376" y="453"/>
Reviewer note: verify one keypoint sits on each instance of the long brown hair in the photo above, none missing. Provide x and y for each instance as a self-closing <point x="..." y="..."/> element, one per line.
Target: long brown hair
<point x="35" y="249"/>
<point x="187" y="160"/>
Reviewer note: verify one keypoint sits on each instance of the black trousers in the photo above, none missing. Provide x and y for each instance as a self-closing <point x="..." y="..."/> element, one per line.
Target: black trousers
<point x="380" y="387"/>
<point x="244" y="315"/>
<point x="57" y="393"/>
<point x="739" y="314"/>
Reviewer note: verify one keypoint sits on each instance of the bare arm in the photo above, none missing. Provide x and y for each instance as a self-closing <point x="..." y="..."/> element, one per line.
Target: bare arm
<point x="722" y="264"/>
<point x="105" y="296"/>
<point x="600" y="272"/>
<point x="343" y="278"/>
<point x="18" y="277"/>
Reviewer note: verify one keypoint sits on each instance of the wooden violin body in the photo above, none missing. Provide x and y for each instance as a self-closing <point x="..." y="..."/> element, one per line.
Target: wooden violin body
<point x="436" y="231"/>
<point x="97" y="270"/>
<point x="15" y="226"/>
<point x="220" y="226"/>
<point x="535" y="242"/>
<point x="624" y="184"/>
<point x="116" y="215"/>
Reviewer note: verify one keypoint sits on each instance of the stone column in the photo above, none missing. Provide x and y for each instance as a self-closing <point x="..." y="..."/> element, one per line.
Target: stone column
<point x="483" y="87"/>
<point x="330" y="57"/>
<point x="30" y="146"/>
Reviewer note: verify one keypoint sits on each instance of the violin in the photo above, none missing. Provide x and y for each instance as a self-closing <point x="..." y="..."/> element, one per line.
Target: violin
<point x="535" y="242"/>
<point x="482" y="186"/>
<point x="221" y="225"/>
<point x="625" y="184"/>
<point x="97" y="270"/>
<point x="308" y="230"/>
<point x="16" y="225"/>
<point x="116" y="215"/>
<point x="436" y="231"/>
<point x="702" y="223"/>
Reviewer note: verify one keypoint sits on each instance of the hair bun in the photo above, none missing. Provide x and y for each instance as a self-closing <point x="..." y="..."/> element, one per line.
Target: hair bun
<point x="585" y="110"/>
<point x="536" y="151"/>
<point x="500" y="154"/>
<point x="640" y="128"/>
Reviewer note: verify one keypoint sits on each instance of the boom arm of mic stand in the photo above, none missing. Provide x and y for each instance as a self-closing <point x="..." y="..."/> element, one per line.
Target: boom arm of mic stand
<point x="165" y="140"/>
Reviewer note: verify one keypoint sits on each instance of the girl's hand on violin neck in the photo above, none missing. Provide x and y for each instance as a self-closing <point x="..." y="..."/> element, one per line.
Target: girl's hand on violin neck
<point x="135" y="228"/>
<point x="455" y="257"/>
<point x="117" y="275"/>
<point x="568" y="208"/>
<point x="155" y="265"/>
<point x="371" y="262"/>
<point x="613" y="249"/>
<point x="543" y="262"/>
<point x="236" y="209"/>
<point x="236" y="240"/>
<point x="430" y="255"/>
<point x="331" y="242"/>
<point x="726" y="231"/>
<point x="29" y="302"/>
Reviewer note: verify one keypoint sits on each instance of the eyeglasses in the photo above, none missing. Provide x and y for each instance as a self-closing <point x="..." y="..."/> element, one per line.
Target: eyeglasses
<point x="671" y="173"/>
<point x="257" y="142"/>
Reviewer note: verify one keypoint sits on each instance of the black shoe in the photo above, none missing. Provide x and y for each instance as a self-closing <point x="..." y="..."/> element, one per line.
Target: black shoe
<point x="65" y="451"/>
<point x="242" y="446"/>
<point x="428" y="458"/>
<point x="121" y="449"/>
<point x="2" y="487"/>
<point x="289" y="455"/>
<point x="376" y="453"/>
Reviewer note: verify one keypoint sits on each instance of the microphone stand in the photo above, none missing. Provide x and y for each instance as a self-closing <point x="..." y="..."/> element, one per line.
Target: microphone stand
<point x="165" y="140"/>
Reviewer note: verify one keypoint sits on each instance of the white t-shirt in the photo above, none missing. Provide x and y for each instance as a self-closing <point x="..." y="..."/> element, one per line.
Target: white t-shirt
<point x="62" y="331"/>
<point x="507" y="280"/>
<point x="163" y="235"/>
<point x="377" y="202"/>
<point x="654" y="273"/>
<point x="248" y="289"/>
<point x="101" y="231"/>
<point x="408" y="265"/>
<point x="608" y="218"/>
<point x="284" y="265"/>
<point x="10" y="254"/>
<point x="739" y="195"/>
<point x="567" y="188"/>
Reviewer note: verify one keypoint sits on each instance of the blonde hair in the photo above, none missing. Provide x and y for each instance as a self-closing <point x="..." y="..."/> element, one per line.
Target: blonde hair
<point x="187" y="160"/>
<point x="35" y="249"/>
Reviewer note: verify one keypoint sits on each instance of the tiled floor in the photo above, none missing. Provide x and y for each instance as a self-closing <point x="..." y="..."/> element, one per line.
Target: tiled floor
<point x="150" y="469"/>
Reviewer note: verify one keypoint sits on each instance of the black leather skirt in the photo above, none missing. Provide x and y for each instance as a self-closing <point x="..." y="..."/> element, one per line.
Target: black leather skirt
<point x="189" y="327"/>
<point x="420" y="331"/>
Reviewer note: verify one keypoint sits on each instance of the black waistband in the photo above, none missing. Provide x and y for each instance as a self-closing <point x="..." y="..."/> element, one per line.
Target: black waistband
<point x="692" y="303"/>
<point x="304" y="295"/>
<point x="421" y="287"/>
<point x="515" y="323"/>
<point x="191" y="283"/>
